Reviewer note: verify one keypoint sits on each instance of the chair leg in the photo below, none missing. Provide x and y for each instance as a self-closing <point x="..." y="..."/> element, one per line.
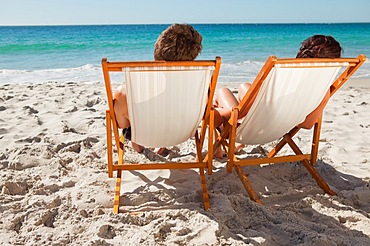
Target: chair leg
<point x="232" y="140"/>
<point x="211" y="130"/>
<point x="118" y="193"/>
<point x="204" y="189"/>
<point x="247" y="185"/>
<point x="109" y="144"/>
<point x="315" y="141"/>
<point x="319" y="180"/>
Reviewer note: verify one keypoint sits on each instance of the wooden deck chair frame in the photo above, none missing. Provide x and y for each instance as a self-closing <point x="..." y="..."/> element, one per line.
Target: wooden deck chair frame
<point x="308" y="160"/>
<point x="207" y="123"/>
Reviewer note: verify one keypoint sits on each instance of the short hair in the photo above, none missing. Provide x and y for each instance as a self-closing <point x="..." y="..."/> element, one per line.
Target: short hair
<point x="179" y="42"/>
<point x="320" y="46"/>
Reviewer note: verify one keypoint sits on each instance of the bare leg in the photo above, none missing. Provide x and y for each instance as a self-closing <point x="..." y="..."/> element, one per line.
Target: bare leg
<point x="121" y="112"/>
<point x="120" y="107"/>
<point x="218" y="153"/>
<point x="218" y="122"/>
<point x="138" y="148"/>
<point x="242" y="90"/>
<point x="226" y="101"/>
<point x="160" y="151"/>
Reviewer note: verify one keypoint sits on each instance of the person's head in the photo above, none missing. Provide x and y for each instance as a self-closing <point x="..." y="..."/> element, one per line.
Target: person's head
<point x="179" y="42"/>
<point x="320" y="46"/>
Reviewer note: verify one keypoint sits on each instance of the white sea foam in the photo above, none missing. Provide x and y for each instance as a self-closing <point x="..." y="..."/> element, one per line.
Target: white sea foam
<point x="86" y="73"/>
<point x="239" y="72"/>
<point x="230" y="72"/>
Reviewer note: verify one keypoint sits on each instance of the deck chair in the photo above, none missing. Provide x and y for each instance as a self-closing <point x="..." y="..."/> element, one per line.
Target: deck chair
<point x="167" y="101"/>
<point x="285" y="92"/>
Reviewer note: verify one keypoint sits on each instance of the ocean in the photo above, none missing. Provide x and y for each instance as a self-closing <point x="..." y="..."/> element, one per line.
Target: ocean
<point x="74" y="53"/>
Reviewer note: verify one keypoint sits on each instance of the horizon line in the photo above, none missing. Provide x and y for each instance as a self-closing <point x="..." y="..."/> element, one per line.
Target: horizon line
<point x="195" y="23"/>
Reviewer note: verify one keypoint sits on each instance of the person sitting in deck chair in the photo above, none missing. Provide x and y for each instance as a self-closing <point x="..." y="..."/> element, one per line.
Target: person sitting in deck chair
<point x="317" y="46"/>
<point x="179" y="42"/>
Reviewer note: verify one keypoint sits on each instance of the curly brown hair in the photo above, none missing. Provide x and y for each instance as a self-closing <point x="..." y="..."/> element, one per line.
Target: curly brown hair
<point x="320" y="46"/>
<point x="179" y="42"/>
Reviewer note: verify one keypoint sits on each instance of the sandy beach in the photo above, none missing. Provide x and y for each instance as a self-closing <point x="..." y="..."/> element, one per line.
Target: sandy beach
<point x="55" y="188"/>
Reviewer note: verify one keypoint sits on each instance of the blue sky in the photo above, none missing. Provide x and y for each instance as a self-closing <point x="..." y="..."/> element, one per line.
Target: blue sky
<point x="74" y="12"/>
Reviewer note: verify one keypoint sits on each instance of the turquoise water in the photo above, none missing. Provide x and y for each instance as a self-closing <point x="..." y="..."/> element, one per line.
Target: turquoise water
<point x="71" y="51"/>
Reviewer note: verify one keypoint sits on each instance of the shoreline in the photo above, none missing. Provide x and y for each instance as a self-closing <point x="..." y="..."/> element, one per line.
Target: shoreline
<point x="352" y="82"/>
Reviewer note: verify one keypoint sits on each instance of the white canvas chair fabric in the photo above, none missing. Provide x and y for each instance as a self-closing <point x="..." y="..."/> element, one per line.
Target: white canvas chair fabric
<point x="289" y="93"/>
<point x="166" y="105"/>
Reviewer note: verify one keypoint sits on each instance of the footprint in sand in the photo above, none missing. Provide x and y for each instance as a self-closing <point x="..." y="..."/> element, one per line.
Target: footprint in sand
<point x="3" y="131"/>
<point x="30" y="110"/>
<point x="30" y="140"/>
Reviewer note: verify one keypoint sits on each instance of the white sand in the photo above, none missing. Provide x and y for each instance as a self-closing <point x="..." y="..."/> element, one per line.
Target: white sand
<point x="55" y="189"/>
